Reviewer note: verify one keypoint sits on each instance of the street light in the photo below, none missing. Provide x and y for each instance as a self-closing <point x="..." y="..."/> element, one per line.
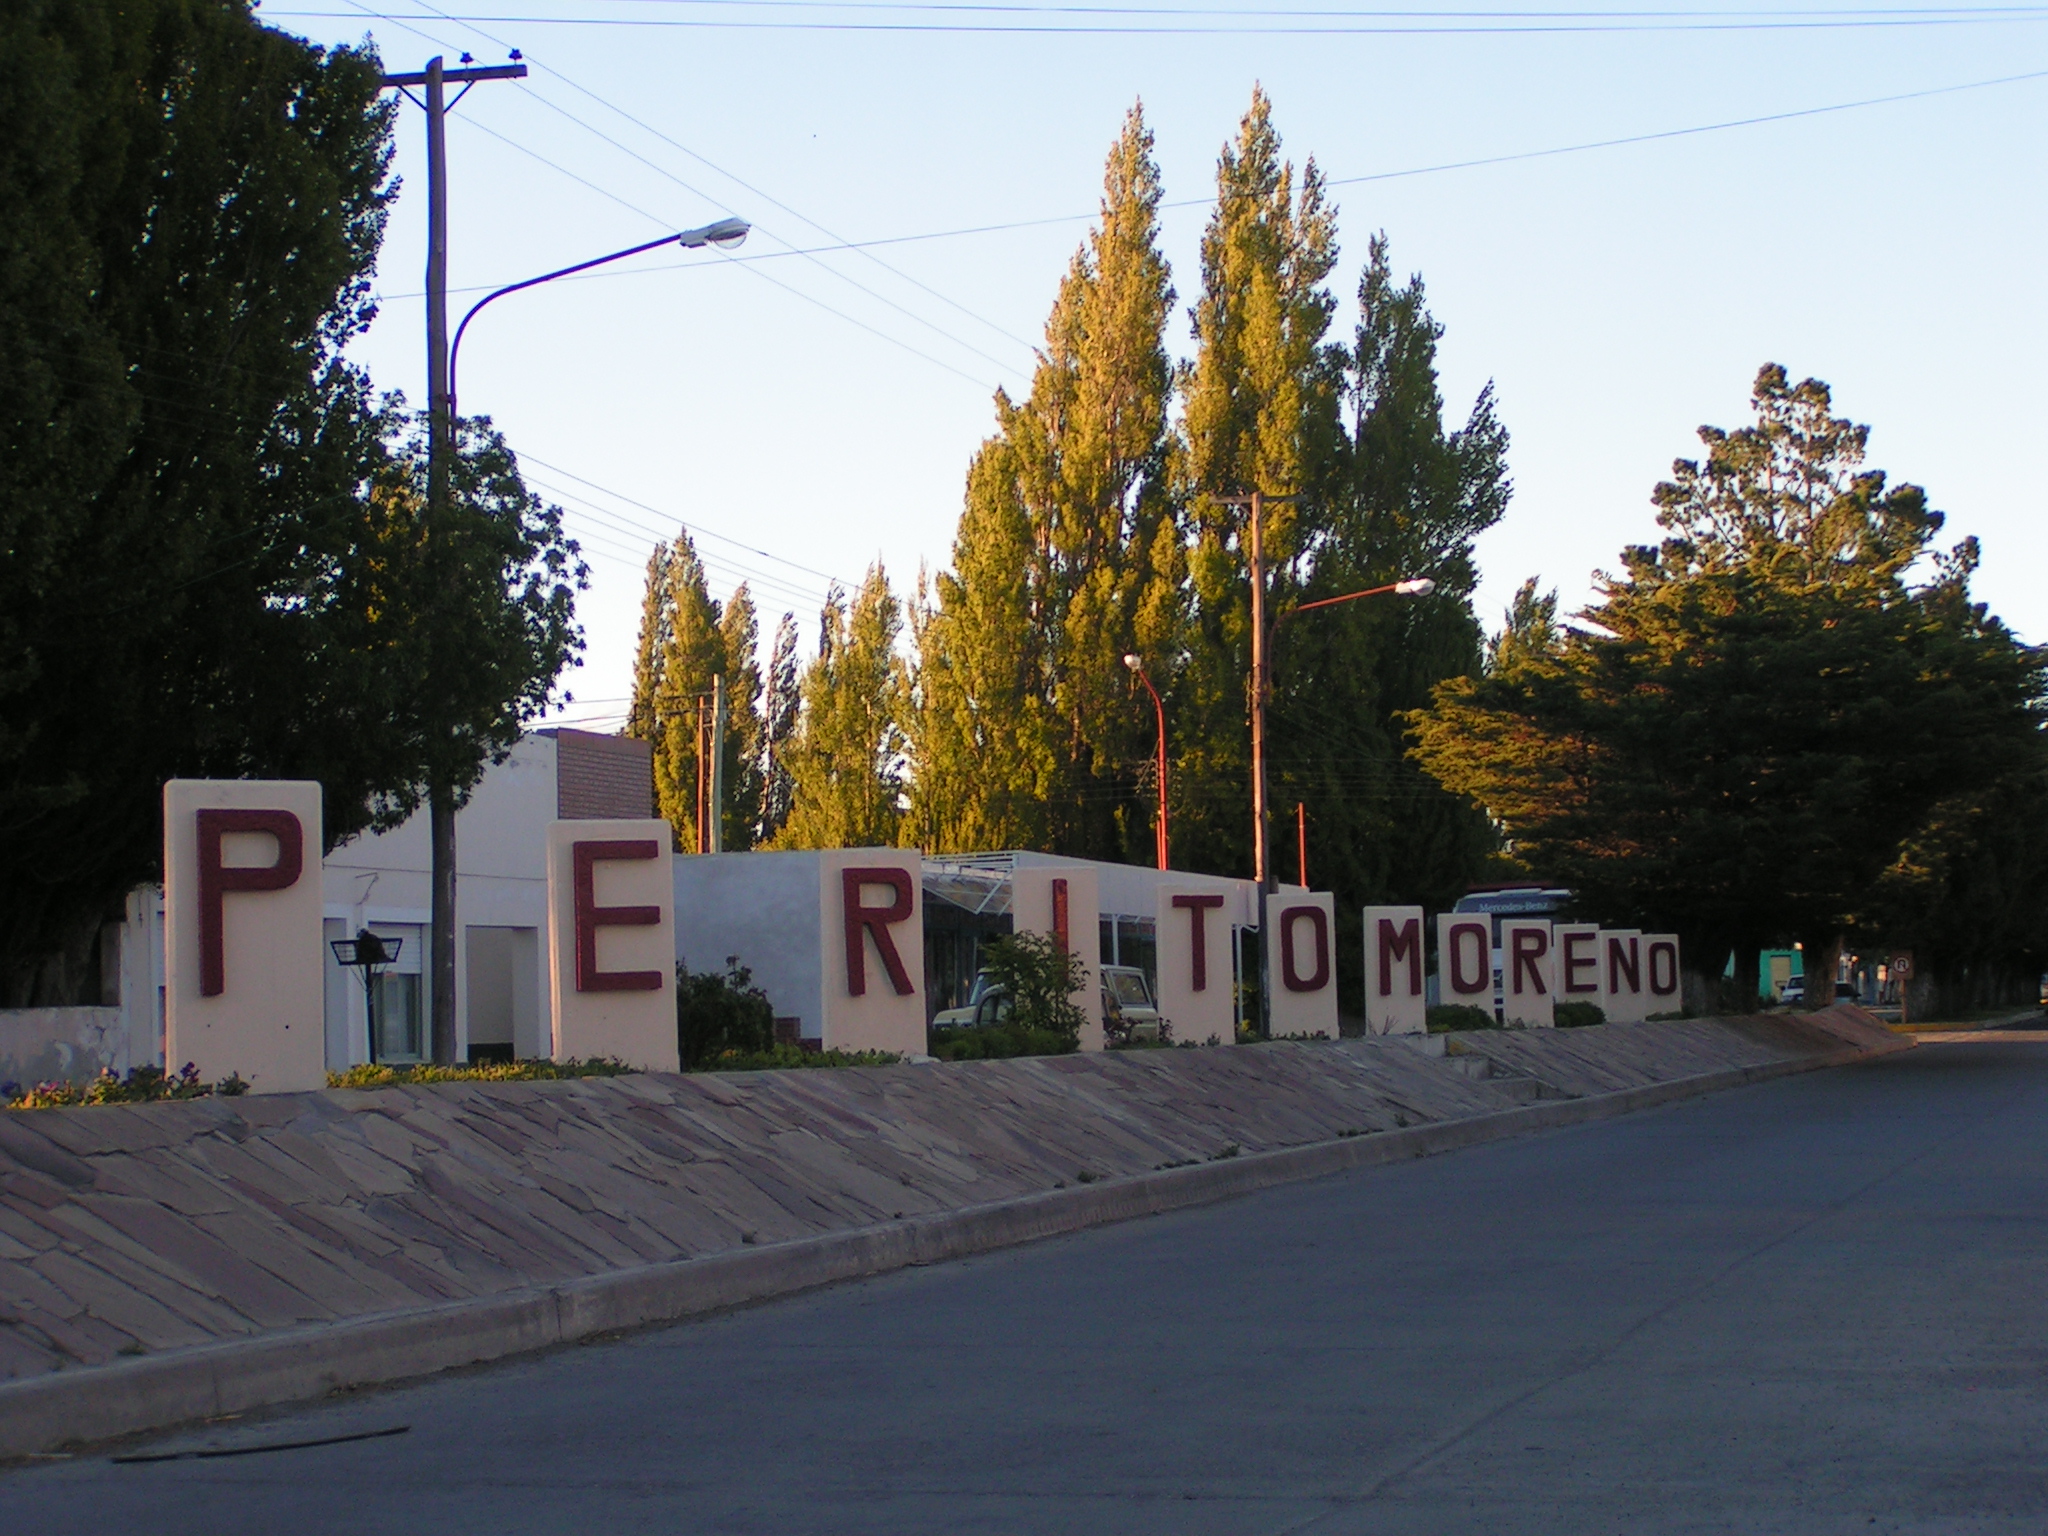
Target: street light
<point x="725" y="234"/>
<point x="1137" y="666"/>
<point x="365" y="953"/>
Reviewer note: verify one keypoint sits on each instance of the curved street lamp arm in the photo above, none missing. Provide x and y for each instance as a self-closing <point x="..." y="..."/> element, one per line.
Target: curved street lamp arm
<point x="455" y="350"/>
<point x="1326" y="602"/>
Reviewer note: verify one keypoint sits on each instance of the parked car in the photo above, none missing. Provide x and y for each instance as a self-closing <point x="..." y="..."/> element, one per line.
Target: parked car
<point x="1127" y="1005"/>
<point x="1794" y="990"/>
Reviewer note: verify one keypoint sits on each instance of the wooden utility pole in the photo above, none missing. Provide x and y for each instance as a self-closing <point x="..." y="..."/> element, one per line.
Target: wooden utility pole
<point x="434" y="81"/>
<point x="715" y="838"/>
<point x="1301" y="843"/>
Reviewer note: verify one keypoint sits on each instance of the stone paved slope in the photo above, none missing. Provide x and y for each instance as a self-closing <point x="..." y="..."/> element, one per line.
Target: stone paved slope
<point x="131" y="1229"/>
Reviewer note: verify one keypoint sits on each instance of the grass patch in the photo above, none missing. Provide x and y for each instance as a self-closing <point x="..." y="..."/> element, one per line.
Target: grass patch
<point x="996" y="1042"/>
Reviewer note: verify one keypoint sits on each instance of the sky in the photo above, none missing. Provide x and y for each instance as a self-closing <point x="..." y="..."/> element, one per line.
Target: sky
<point x="806" y="410"/>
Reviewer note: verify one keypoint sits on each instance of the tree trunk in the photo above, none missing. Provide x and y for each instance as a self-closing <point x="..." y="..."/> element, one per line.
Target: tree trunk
<point x="1748" y="956"/>
<point x="441" y="950"/>
<point x="1822" y="959"/>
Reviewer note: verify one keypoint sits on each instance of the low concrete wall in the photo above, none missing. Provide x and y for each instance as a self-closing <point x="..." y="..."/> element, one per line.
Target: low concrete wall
<point x="258" y="1251"/>
<point x="55" y="1045"/>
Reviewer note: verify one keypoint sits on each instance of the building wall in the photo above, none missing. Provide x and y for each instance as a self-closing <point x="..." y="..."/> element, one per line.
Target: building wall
<point x="763" y="909"/>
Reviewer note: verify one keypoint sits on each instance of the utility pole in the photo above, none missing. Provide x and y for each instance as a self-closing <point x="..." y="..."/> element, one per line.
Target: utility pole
<point x="434" y="80"/>
<point x="716" y="839"/>
<point x="1261" y="690"/>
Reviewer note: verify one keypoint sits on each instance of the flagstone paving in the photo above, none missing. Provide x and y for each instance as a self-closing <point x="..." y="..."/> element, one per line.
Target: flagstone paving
<point x="128" y="1229"/>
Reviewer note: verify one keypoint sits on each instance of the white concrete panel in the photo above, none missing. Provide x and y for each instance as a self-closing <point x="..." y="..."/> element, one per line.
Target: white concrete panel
<point x="1060" y="900"/>
<point x="1622" y="990"/>
<point x="1301" y="957"/>
<point x="761" y="909"/>
<point x="1662" y="987"/>
<point x="612" y="942"/>
<point x="1396" y="989"/>
<point x="870" y="929"/>
<point x="1528" y="984"/>
<point x="1575" y="962"/>
<point x="1193" y="922"/>
<point x="242" y="931"/>
<point x="1464" y="959"/>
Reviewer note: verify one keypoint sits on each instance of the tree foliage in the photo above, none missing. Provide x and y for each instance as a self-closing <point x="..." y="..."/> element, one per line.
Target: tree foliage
<point x="1755" y="716"/>
<point x="689" y="645"/>
<point x="212" y="565"/>
<point x="846" y="761"/>
<point x="1095" y="525"/>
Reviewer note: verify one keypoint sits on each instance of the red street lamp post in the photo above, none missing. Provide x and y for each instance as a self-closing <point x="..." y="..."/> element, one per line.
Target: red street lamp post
<point x="1137" y="666"/>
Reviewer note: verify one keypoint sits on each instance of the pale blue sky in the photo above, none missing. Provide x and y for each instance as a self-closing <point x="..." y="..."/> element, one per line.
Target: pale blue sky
<point x="1617" y="298"/>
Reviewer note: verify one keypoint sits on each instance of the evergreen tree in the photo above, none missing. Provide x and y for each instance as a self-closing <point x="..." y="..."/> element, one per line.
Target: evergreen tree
<point x="1761" y="711"/>
<point x="846" y="763"/>
<point x="1023" y="733"/>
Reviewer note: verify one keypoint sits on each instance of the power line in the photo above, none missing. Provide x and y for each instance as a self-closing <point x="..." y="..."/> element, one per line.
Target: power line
<point x="758" y="192"/>
<point x="661" y="223"/>
<point x="1408" y="25"/>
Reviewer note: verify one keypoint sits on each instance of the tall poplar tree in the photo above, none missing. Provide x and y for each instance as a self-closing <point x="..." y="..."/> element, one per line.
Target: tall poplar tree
<point x="688" y="640"/>
<point x="781" y="701"/>
<point x="846" y="762"/>
<point x="1262" y="399"/>
<point x="1067" y="558"/>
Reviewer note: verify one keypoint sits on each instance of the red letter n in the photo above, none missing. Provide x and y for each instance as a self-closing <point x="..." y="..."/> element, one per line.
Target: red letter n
<point x="590" y="916"/>
<point x="874" y="921"/>
<point x="215" y="882"/>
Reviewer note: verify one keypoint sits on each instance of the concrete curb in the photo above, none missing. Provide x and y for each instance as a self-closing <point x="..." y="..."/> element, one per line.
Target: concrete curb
<point x="70" y="1408"/>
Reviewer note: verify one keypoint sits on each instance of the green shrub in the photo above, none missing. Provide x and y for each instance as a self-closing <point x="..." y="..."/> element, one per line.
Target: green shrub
<point x="1578" y="1015"/>
<point x="1449" y="1016"/>
<point x="384" y="1074"/>
<point x="720" y="1013"/>
<point x="991" y="1042"/>
<point x="1040" y="979"/>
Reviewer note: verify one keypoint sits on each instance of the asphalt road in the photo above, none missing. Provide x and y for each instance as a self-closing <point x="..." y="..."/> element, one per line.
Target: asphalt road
<point x="1811" y="1306"/>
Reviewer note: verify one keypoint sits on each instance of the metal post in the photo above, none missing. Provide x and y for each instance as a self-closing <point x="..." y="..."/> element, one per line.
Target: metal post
<point x="1301" y="843"/>
<point x="716" y="839"/>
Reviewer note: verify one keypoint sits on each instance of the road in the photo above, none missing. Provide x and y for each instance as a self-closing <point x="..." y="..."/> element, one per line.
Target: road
<point x="1810" y="1306"/>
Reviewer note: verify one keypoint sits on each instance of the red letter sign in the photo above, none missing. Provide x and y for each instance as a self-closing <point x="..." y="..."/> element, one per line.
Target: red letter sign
<point x="216" y="881"/>
<point x="1198" y="936"/>
<point x="590" y="917"/>
<point x="1396" y="941"/>
<point x="1320" y="927"/>
<point x="1530" y="946"/>
<point x="875" y="921"/>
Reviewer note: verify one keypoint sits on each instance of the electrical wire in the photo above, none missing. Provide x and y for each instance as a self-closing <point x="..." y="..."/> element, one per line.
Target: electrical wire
<point x="793" y="248"/>
<point x="1404" y="25"/>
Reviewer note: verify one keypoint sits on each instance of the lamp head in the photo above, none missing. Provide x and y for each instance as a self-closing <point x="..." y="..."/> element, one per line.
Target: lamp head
<point x="1135" y="662"/>
<point x="1420" y="586"/>
<point x="726" y="234"/>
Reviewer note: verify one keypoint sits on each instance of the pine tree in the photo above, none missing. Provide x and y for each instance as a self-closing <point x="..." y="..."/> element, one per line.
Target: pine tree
<point x="847" y="762"/>
<point x="1760" y="713"/>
